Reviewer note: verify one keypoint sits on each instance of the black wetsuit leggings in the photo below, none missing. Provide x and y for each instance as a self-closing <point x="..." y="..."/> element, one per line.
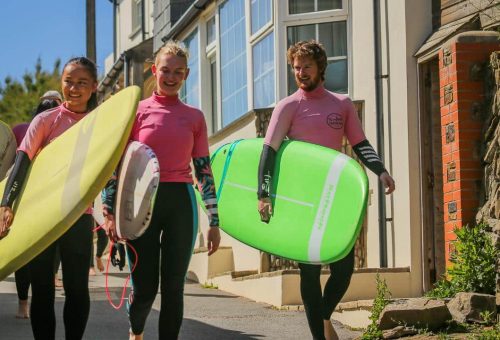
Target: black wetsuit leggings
<point x="22" y="276"/>
<point x="320" y="306"/>
<point x="165" y="248"/>
<point x="74" y="248"/>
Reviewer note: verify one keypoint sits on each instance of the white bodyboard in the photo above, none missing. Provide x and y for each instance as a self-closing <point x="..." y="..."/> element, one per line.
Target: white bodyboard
<point x="138" y="180"/>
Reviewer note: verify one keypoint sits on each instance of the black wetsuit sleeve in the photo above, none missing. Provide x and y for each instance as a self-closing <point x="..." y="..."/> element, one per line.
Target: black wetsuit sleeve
<point x="16" y="179"/>
<point x="369" y="157"/>
<point x="266" y="171"/>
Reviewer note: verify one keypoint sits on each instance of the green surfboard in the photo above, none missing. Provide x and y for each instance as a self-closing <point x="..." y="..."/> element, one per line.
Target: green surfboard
<point x="319" y="200"/>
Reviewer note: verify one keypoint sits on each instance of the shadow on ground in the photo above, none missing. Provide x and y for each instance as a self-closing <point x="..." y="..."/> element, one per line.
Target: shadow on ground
<point x="193" y="329"/>
<point x="106" y="323"/>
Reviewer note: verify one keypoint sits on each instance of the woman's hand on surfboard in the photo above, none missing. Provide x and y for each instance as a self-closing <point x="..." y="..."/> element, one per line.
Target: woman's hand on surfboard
<point x="213" y="240"/>
<point x="265" y="208"/>
<point x="388" y="182"/>
<point x="110" y="227"/>
<point x="6" y="218"/>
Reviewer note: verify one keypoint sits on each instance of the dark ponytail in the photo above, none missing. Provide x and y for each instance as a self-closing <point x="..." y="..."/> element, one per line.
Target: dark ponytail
<point x="92" y="69"/>
<point x="44" y="105"/>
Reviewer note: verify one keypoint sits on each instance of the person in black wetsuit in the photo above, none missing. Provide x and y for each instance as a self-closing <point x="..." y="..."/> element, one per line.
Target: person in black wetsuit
<point x="79" y="85"/>
<point x="48" y="101"/>
<point x="315" y="115"/>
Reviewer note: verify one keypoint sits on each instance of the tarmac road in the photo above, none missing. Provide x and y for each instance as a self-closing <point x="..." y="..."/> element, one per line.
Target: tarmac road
<point x="208" y="314"/>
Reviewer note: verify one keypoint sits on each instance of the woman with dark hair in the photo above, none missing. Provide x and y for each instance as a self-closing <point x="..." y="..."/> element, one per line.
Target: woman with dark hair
<point x="79" y="84"/>
<point x="22" y="275"/>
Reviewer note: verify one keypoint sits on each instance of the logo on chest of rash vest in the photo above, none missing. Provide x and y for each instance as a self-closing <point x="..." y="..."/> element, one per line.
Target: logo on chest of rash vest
<point x="335" y="121"/>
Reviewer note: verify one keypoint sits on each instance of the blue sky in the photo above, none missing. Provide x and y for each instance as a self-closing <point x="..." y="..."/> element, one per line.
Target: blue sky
<point x="49" y="29"/>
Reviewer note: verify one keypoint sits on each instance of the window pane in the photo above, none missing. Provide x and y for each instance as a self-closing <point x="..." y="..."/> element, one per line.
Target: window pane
<point x="299" y="33"/>
<point x="336" y="76"/>
<point x="261" y="13"/>
<point x="324" y="5"/>
<point x="210" y="30"/>
<point x="333" y="36"/>
<point x="190" y="92"/>
<point x="263" y="72"/>
<point x="307" y="6"/>
<point x="300" y="6"/>
<point x="233" y="60"/>
<point x="136" y="14"/>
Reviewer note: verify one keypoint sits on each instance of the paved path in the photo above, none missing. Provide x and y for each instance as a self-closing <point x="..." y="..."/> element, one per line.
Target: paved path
<point x="209" y="314"/>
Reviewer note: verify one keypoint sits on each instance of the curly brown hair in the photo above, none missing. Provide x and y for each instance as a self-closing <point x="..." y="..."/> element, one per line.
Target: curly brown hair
<point x="312" y="49"/>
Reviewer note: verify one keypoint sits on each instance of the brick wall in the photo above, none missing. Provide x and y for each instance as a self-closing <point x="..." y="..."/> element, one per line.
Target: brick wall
<point x="462" y="95"/>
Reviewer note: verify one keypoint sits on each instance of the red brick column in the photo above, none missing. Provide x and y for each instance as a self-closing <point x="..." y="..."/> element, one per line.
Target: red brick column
<point x="462" y="98"/>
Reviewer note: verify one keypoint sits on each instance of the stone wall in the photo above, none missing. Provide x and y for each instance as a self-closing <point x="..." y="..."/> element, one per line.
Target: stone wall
<point x="490" y="207"/>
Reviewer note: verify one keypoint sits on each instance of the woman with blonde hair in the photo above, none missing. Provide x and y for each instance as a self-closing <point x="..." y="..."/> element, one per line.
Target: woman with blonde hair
<point x="177" y="133"/>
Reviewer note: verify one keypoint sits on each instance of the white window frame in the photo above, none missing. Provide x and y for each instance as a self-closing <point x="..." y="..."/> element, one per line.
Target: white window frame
<point x="250" y="69"/>
<point x="248" y="60"/>
<point x="136" y="13"/>
<point x="210" y="46"/>
<point x="264" y="29"/>
<point x="252" y="40"/>
<point x="315" y="15"/>
<point x="211" y="52"/>
<point x="183" y="37"/>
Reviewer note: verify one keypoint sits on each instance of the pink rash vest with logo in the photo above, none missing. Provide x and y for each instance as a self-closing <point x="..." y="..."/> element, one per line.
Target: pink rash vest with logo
<point x="319" y="117"/>
<point x="176" y="132"/>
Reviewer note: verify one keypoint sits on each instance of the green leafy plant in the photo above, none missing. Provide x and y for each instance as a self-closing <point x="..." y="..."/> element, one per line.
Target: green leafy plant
<point x="210" y="285"/>
<point x="473" y="264"/>
<point x="381" y="300"/>
<point x="442" y="289"/>
<point x="486" y="333"/>
<point x="487" y="316"/>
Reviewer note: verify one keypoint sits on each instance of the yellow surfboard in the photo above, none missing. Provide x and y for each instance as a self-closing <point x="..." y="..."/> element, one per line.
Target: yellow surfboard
<point x="7" y="148"/>
<point x="65" y="178"/>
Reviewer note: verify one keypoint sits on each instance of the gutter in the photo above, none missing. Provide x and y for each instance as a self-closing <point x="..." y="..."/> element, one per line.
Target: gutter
<point x="186" y="19"/>
<point x="111" y="75"/>
<point x="380" y="132"/>
<point x="113" y="2"/>
<point x="143" y="20"/>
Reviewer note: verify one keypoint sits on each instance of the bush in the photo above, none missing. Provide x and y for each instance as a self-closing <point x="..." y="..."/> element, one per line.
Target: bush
<point x="473" y="264"/>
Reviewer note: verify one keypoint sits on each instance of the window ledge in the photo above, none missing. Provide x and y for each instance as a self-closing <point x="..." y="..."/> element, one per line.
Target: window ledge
<point x="232" y="127"/>
<point x="134" y="32"/>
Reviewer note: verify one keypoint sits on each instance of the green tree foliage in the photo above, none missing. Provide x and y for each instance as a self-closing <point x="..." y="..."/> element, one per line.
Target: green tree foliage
<point x="18" y="99"/>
